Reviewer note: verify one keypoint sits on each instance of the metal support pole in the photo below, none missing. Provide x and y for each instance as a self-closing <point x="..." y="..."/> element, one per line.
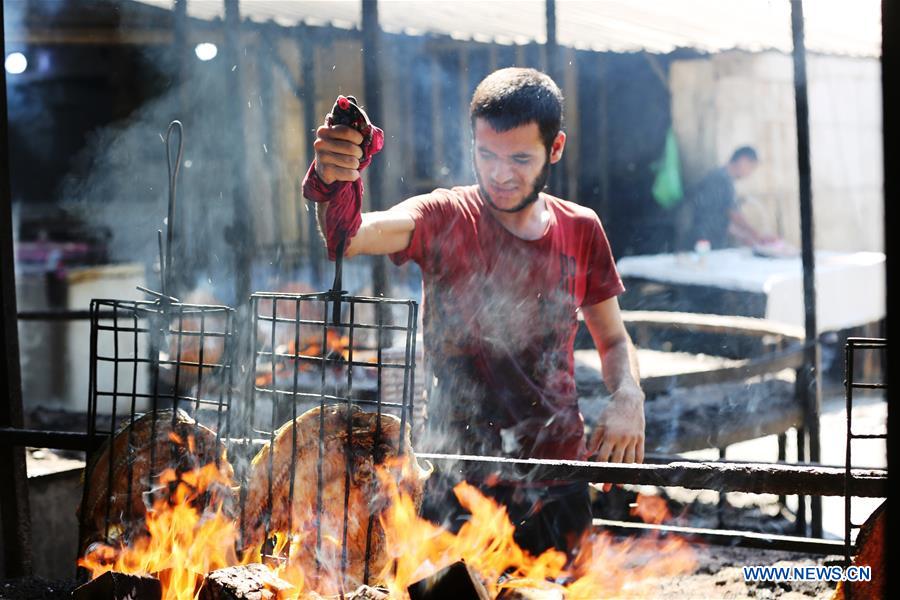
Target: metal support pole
<point x="310" y="123"/>
<point x="559" y="180"/>
<point x="753" y="478"/>
<point x="14" y="510"/>
<point x="890" y="70"/>
<point x="371" y="33"/>
<point x="811" y="383"/>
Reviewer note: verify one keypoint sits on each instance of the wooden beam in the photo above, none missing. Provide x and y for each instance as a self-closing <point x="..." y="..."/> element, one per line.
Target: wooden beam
<point x="707" y="323"/>
<point x="713" y="416"/>
<point x="589" y="377"/>
<point x="242" y="230"/>
<point x="111" y="36"/>
<point x="310" y="122"/>
<point x="371" y="34"/>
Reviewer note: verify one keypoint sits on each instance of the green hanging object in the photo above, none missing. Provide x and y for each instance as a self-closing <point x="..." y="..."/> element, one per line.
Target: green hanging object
<point x="667" y="189"/>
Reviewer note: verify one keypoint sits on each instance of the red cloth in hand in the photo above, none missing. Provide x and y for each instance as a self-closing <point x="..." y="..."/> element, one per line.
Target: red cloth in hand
<point x="344" y="214"/>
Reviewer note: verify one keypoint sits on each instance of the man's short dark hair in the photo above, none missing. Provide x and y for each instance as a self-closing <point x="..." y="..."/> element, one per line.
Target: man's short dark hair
<point x="512" y="97"/>
<point x="748" y="152"/>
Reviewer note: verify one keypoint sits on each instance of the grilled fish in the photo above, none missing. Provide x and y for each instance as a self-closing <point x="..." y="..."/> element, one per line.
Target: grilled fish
<point x="365" y="448"/>
<point x="123" y="465"/>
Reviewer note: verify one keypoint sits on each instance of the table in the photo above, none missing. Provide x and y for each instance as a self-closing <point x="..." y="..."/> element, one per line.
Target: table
<point x="850" y="287"/>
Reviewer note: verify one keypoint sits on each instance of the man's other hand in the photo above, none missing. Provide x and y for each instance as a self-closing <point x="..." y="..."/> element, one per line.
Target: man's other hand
<point x="338" y="151"/>
<point x="619" y="434"/>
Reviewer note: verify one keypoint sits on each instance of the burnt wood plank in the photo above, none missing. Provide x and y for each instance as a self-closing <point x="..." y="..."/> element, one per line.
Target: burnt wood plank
<point x="120" y="586"/>
<point x="457" y="581"/>
<point x="245" y="582"/>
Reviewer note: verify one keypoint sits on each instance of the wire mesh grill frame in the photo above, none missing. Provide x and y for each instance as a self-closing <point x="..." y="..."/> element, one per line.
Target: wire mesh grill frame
<point x="176" y="355"/>
<point x="298" y="360"/>
<point x="851" y="347"/>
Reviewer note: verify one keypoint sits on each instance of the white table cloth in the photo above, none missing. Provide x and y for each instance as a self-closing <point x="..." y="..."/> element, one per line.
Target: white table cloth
<point x="850" y="287"/>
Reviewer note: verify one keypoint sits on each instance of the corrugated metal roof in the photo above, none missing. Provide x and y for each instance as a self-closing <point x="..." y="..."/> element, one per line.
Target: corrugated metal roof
<point x="840" y="27"/>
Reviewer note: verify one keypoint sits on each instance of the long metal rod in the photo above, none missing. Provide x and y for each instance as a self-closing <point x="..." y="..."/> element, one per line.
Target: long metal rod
<point x="812" y="384"/>
<point x="890" y="73"/>
<point x="727" y="537"/>
<point x="754" y="478"/>
<point x="848" y="449"/>
<point x="60" y="315"/>
<point x="14" y="509"/>
<point x="36" y="438"/>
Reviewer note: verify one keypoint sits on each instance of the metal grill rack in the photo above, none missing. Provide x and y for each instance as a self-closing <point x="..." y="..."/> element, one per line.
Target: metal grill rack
<point x="320" y="350"/>
<point x="851" y="348"/>
<point x="146" y="356"/>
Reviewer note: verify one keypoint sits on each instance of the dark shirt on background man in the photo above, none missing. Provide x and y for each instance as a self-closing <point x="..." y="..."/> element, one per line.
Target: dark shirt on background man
<point x="711" y="203"/>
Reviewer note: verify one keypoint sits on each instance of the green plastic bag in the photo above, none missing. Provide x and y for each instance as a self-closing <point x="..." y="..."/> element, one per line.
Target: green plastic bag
<point x="667" y="189"/>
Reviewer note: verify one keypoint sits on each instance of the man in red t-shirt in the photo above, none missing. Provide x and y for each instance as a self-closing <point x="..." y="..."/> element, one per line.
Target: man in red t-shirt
<point x="506" y="268"/>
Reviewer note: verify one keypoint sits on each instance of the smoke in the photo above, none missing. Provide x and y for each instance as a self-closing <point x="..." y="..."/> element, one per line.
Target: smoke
<point x="126" y="186"/>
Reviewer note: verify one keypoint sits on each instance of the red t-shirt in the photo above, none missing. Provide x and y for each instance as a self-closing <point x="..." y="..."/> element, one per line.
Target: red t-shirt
<point x="500" y="321"/>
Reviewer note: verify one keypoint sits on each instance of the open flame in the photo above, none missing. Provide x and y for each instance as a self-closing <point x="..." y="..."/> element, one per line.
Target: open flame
<point x="189" y="533"/>
<point x="605" y="567"/>
<point x="311" y="347"/>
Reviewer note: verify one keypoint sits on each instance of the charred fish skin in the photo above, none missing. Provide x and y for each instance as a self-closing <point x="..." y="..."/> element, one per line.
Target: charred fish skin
<point x="118" y="491"/>
<point x="371" y="441"/>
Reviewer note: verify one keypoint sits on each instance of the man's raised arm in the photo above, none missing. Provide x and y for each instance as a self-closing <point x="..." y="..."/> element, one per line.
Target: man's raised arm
<point x="338" y="152"/>
<point x="381" y="232"/>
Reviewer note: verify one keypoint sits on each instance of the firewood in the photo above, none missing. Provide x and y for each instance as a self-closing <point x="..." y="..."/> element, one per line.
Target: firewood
<point x="529" y="594"/>
<point x="119" y="586"/>
<point x="457" y="581"/>
<point x="246" y="582"/>
<point x="365" y="592"/>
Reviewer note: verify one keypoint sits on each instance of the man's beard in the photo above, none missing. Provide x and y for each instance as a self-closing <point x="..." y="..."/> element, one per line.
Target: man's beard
<point x="537" y="186"/>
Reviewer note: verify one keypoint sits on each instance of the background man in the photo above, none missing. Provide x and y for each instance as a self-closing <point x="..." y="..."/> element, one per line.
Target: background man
<point x="506" y="268"/>
<point x="711" y="212"/>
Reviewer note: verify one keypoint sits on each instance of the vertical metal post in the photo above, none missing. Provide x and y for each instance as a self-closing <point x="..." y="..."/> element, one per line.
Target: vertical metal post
<point x="310" y="124"/>
<point x="242" y="231"/>
<point x="14" y="510"/>
<point x="559" y="175"/>
<point x="810" y="372"/>
<point x="551" y="48"/>
<point x="371" y="33"/>
<point x="890" y="69"/>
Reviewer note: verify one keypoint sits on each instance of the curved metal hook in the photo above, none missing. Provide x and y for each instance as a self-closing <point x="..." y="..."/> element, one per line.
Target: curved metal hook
<point x="166" y="272"/>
